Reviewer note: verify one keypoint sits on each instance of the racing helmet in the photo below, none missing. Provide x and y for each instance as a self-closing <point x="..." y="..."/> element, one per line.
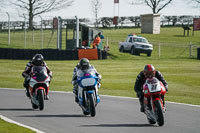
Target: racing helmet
<point x="149" y="71"/>
<point x="38" y="59"/>
<point x="84" y="64"/>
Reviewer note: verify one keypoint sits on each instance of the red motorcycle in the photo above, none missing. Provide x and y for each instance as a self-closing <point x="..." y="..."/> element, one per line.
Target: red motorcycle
<point x="154" y="92"/>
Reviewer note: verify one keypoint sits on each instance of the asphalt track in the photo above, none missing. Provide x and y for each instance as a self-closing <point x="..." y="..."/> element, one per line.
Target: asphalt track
<point x="114" y="115"/>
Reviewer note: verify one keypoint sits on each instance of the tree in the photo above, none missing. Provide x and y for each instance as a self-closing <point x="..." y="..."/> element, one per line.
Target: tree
<point x="33" y="8"/>
<point x="106" y="21"/>
<point x="155" y="5"/>
<point x="196" y="1"/>
<point x="96" y="7"/>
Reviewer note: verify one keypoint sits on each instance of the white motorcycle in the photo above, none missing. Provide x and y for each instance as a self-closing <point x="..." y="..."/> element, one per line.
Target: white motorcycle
<point x="88" y="91"/>
<point x="39" y="86"/>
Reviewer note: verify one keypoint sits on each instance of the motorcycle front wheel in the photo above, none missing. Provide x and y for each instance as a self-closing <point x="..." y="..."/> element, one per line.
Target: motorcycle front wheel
<point x="151" y="121"/>
<point x="159" y="112"/>
<point x="34" y="106"/>
<point x="92" y="105"/>
<point x="41" y="99"/>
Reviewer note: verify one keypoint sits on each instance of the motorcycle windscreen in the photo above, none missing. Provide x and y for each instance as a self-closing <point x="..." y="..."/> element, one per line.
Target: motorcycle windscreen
<point x="81" y="73"/>
<point x="39" y="73"/>
<point x="88" y="82"/>
<point x="153" y="85"/>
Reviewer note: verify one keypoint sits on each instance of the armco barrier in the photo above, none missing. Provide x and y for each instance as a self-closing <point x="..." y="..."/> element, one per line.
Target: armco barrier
<point x="198" y="53"/>
<point x="49" y="54"/>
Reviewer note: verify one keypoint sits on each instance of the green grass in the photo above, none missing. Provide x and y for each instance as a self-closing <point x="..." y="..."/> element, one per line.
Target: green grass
<point x="119" y="76"/>
<point x="12" y="128"/>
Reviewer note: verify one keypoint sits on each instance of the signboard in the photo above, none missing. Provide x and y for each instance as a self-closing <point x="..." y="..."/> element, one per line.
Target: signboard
<point x="115" y="20"/>
<point x="116" y="1"/>
<point x="55" y="23"/>
<point x="196" y="24"/>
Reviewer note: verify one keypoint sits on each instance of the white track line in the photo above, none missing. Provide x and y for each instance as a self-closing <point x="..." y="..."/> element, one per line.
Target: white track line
<point x="19" y="124"/>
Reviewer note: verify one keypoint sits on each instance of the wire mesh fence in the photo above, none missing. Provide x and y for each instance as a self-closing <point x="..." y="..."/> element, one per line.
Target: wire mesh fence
<point x="175" y="50"/>
<point x="47" y="39"/>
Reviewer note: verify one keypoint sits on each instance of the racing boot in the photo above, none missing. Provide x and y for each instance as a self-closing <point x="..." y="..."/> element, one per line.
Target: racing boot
<point x="27" y="93"/>
<point x="47" y="97"/>
<point x="75" y="91"/>
<point x="98" y="99"/>
<point x="141" y="104"/>
<point x="142" y="108"/>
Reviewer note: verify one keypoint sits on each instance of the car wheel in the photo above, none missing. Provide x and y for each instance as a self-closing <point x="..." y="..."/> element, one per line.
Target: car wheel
<point x="121" y="49"/>
<point x="132" y="50"/>
<point x="149" y="54"/>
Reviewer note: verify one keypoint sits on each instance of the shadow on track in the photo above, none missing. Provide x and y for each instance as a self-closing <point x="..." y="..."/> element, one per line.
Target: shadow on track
<point x="16" y="109"/>
<point x="119" y="125"/>
<point x="63" y="115"/>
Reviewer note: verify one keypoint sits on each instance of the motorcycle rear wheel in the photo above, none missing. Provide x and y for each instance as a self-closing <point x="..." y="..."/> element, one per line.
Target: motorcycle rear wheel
<point x="92" y="105"/>
<point x="160" y="115"/>
<point x="41" y="99"/>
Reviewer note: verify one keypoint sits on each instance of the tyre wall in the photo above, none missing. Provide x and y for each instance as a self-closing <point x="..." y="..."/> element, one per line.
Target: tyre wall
<point x="198" y="53"/>
<point x="49" y="54"/>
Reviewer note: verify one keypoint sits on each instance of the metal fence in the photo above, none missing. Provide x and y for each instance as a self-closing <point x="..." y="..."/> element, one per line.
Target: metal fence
<point x="47" y="39"/>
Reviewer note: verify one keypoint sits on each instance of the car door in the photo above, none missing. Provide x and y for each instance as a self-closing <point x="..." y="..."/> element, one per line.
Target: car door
<point x="129" y="43"/>
<point x="126" y="43"/>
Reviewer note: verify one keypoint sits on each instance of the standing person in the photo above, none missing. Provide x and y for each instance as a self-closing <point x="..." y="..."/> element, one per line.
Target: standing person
<point x="82" y="65"/>
<point x="148" y="72"/>
<point x="38" y="60"/>
<point x="96" y="41"/>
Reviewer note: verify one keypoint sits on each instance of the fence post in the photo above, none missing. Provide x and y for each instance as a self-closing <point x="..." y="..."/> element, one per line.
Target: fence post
<point x="8" y="28"/>
<point x="159" y="50"/>
<point x="41" y="32"/>
<point x="33" y="37"/>
<point x="24" y="31"/>
<point x="190" y="49"/>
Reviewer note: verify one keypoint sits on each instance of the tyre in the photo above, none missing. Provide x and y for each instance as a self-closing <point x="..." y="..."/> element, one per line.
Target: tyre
<point x="151" y="122"/>
<point x="121" y="49"/>
<point x="132" y="51"/>
<point x="34" y="106"/>
<point x="86" y="112"/>
<point x="159" y="112"/>
<point x="41" y="99"/>
<point x="92" y="105"/>
<point x="149" y="54"/>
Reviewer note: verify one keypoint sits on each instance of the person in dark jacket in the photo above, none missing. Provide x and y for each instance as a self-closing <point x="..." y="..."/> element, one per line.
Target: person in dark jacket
<point x="38" y="60"/>
<point x="148" y="72"/>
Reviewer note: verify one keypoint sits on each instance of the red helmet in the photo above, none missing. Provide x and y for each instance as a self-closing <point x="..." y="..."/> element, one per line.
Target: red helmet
<point x="149" y="71"/>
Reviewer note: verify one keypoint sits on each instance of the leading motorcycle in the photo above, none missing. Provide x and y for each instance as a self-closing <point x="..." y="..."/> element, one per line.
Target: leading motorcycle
<point x="88" y="84"/>
<point x="154" y="92"/>
<point x="38" y="86"/>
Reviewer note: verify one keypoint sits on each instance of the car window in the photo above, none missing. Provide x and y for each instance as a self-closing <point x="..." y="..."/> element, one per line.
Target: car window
<point x="130" y="39"/>
<point x="143" y="40"/>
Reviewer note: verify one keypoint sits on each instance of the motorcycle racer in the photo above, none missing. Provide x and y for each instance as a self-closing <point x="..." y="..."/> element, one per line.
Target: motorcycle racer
<point x="148" y="72"/>
<point x="82" y="65"/>
<point x="37" y="60"/>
